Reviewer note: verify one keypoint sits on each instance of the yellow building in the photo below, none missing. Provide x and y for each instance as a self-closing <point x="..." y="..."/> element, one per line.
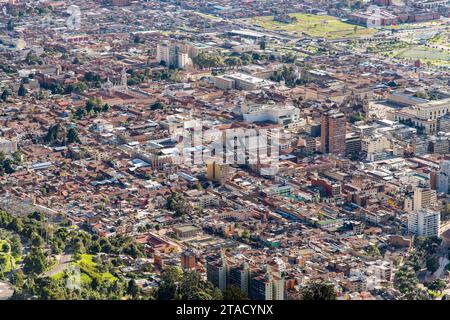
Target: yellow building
<point x="217" y="172"/>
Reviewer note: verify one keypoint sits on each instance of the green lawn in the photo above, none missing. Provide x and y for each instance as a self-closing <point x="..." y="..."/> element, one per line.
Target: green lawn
<point x="89" y="270"/>
<point x="424" y="53"/>
<point x="313" y="25"/>
<point x="10" y="261"/>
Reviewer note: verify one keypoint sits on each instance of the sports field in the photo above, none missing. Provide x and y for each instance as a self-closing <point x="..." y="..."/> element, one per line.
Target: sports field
<point x="320" y="26"/>
<point x="424" y="53"/>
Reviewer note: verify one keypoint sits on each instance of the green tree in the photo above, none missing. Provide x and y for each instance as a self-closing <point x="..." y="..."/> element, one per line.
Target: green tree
<point x="72" y="136"/>
<point x="10" y="25"/>
<point x="318" y="290"/>
<point x="35" y="262"/>
<point x="132" y="288"/>
<point x="22" y="91"/>
<point x="233" y="292"/>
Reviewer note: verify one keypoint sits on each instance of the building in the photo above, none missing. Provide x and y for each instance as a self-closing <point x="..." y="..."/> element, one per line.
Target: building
<point x="217" y="172"/>
<point x="240" y="276"/>
<point x="424" y="223"/>
<point x="333" y="132"/>
<point x="8" y="146"/>
<point x="172" y="55"/>
<point x="267" y="287"/>
<point x="439" y="144"/>
<point x="443" y="177"/>
<point x="444" y="123"/>
<point x="217" y="273"/>
<point x="241" y="81"/>
<point x="424" y="198"/>
<point x="352" y="144"/>
<point x="188" y="259"/>
<point x="186" y="231"/>
<point x="376" y="147"/>
<point x="286" y="115"/>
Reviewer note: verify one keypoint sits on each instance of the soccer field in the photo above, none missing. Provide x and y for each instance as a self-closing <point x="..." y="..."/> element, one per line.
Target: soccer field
<point x="421" y="52"/>
<point x="313" y="25"/>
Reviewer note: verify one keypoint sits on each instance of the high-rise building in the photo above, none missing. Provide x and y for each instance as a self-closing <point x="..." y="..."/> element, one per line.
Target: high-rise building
<point x="240" y="276"/>
<point x="333" y="132"/>
<point x="444" y="123"/>
<point x="173" y="55"/>
<point x="188" y="259"/>
<point x="217" y="273"/>
<point x="424" y="223"/>
<point x="267" y="287"/>
<point x="217" y="172"/>
<point x="443" y="177"/>
<point x="424" y="198"/>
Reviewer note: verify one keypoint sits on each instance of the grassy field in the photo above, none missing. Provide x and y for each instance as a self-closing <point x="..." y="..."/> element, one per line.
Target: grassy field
<point x="89" y="270"/>
<point x="10" y="261"/>
<point x="313" y="25"/>
<point x="423" y="53"/>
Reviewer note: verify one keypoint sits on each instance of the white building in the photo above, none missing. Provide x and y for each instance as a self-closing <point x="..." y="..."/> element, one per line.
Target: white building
<point x="424" y="223"/>
<point x="241" y="81"/>
<point x="8" y="146"/>
<point x="286" y="115"/>
<point x="443" y="181"/>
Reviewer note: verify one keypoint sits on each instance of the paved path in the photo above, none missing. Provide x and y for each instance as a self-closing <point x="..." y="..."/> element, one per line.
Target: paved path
<point x="6" y="291"/>
<point x="63" y="263"/>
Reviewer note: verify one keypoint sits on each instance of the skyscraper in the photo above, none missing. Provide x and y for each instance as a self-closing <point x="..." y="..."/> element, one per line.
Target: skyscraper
<point x="443" y="178"/>
<point x="333" y="132"/>
<point x="424" y="223"/>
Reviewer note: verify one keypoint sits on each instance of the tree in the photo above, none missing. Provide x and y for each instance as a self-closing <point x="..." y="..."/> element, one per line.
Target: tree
<point x="208" y="60"/>
<point x="18" y="279"/>
<point x="233" y="292"/>
<point x="262" y="45"/>
<point x="318" y="290"/>
<point x="35" y="262"/>
<point x="158" y="105"/>
<point x="233" y="62"/>
<point x="22" y="91"/>
<point x="6" y="248"/>
<point x="5" y="94"/>
<point x="72" y="136"/>
<point x="432" y="264"/>
<point x="132" y="288"/>
<point x="10" y="25"/>
<point x="168" y="287"/>
<point x="437" y="285"/>
<point x="137" y="39"/>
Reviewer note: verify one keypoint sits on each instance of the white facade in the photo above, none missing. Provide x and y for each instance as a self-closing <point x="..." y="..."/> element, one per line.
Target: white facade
<point x="424" y="223"/>
<point x="8" y="146"/>
<point x="443" y="182"/>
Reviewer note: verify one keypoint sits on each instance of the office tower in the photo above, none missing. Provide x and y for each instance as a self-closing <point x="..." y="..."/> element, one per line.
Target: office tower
<point x="444" y="123"/>
<point x="267" y="287"/>
<point x="240" y="276"/>
<point x="173" y="55"/>
<point x="424" y="198"/>
<point x="443" y="177"/>
<point x="188" y="259"/>
<point x="333" y="132"/>
<point x="217" y="172"/>
<point x="217" y="273"/>
<point x="424" y="223"/>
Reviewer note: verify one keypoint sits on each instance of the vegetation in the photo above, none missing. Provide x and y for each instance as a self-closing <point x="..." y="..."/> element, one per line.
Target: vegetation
<point x="207" y="60"/>
<point x="318" y="290"/>
<point x="313" y="25"/>
<point x="179" y="285"/>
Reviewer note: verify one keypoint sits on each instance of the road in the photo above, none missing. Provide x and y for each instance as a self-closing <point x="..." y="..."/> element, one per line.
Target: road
<point x="63" y="263"/>
<point x="6" y="291"/>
